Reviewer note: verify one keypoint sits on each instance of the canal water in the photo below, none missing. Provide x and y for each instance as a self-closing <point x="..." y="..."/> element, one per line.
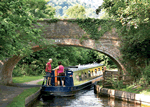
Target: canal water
<point x="84" y="98"/>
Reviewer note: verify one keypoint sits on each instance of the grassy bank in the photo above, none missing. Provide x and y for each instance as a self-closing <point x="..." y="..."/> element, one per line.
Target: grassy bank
<point x="19" y="101"/>
<point x="132" y="88"/>
<point x="137" y="89"/>
<point x="40" y="83"/>
<point x="26" y="79"/>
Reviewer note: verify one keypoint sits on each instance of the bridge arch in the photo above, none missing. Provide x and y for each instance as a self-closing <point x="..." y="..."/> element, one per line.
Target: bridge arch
<point x="64" y="33"/>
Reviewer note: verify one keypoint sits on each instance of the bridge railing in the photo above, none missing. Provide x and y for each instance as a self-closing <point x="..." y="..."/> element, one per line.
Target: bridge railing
<point x="54" y="75"/>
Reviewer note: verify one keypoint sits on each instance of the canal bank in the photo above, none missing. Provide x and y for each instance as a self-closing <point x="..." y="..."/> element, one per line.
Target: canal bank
<point x="32" y="98"/>
<point x="142" y="100"/>
<point x="14" y="95"/>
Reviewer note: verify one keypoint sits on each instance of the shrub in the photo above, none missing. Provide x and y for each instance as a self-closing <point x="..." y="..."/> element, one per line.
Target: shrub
<point x="146" y="74"/>
<point x="19" y="71"/>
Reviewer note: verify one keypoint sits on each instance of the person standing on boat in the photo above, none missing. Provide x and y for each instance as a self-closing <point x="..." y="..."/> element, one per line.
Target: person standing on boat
<point x="48" y="71"/>
<point x="60" y="71"/>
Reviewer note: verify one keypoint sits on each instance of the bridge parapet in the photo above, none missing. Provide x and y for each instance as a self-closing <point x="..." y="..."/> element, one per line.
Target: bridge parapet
<point x="63" y="28"/>
<point x="65" y="32"/>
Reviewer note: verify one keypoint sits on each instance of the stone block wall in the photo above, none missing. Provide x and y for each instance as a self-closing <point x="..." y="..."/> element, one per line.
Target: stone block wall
<point x="141" y="99"/>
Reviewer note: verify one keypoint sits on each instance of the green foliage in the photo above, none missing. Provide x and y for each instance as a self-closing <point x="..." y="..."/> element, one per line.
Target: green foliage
<point x="100" y="83"/>
<point x="53" y="20"/>
<point x="76" y="11"/>
<point x="133" y="15"/>
<point x="128" y="12"/>
<point x="20" y="71"/>
<point x="105" y="15"/>
<point x="116" y="84"/>
<point x="138" y="50"/>
<point x="17" y="21"/>
<point x="25" y="69"/>
<point x="34" y="64"/>
<point x="40" y="8"/>
<point x="91" y="26"/>
<point x="62" y="6"/>
<point x="141" y="85"/>
<point x="133" y="88"/>
<point x="145" y="77"/>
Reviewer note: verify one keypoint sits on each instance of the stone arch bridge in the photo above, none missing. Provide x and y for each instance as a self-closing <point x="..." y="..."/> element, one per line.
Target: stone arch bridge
<point x="65" y="33"/>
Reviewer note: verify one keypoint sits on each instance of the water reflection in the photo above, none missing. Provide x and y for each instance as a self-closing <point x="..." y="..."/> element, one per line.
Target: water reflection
<point x="112" y="102"/>
<point x="84" y="98"/>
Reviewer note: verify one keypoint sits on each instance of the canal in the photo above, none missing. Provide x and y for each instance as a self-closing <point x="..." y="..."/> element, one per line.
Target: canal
<point x="84" y="98"/>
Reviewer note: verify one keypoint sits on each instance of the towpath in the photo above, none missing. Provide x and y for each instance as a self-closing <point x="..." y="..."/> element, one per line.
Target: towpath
<point x="7" y="93"/>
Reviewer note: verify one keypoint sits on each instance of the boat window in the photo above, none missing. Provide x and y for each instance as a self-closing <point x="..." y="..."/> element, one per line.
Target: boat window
<point x="95" y="71"/>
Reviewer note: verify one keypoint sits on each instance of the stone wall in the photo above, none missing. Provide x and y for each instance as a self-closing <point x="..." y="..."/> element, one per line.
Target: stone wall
<point x="141" y="99"/>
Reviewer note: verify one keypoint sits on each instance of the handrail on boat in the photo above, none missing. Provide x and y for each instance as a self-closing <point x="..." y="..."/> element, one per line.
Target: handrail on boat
<point x="57" y="76"/>
<point x="54" y="76"/>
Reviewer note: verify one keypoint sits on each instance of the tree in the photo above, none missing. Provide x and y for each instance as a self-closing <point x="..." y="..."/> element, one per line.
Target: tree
<point x="128" y="12"/>
<point x="133" y="15"/>
<point x="104" y="15"/>
<point x="17" y="32"/>
<point x="40" y="8"/>
<point x="76" y="11"/>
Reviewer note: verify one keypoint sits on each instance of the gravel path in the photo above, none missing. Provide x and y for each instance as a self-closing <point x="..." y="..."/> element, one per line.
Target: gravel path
<point x="7" y="93"/>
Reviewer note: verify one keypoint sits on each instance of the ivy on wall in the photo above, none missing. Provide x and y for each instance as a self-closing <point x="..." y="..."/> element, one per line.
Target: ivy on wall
<point x="55" y="20"/>
<point x="95" y="28"/>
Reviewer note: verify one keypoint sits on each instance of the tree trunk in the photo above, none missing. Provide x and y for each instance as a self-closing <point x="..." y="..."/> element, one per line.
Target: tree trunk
<point x="6" y="69"/>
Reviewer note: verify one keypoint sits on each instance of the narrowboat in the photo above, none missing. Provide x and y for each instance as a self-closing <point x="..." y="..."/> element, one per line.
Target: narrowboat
<point x="68" y="90"/>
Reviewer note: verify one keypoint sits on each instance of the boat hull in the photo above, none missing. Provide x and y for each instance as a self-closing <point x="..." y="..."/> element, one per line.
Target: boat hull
<point x="63" y="91"/>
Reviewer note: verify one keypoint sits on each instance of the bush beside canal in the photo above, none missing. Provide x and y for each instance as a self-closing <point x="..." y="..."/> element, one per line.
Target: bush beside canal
<point x="139" y="84"/>
<point x="133" y="88"/>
